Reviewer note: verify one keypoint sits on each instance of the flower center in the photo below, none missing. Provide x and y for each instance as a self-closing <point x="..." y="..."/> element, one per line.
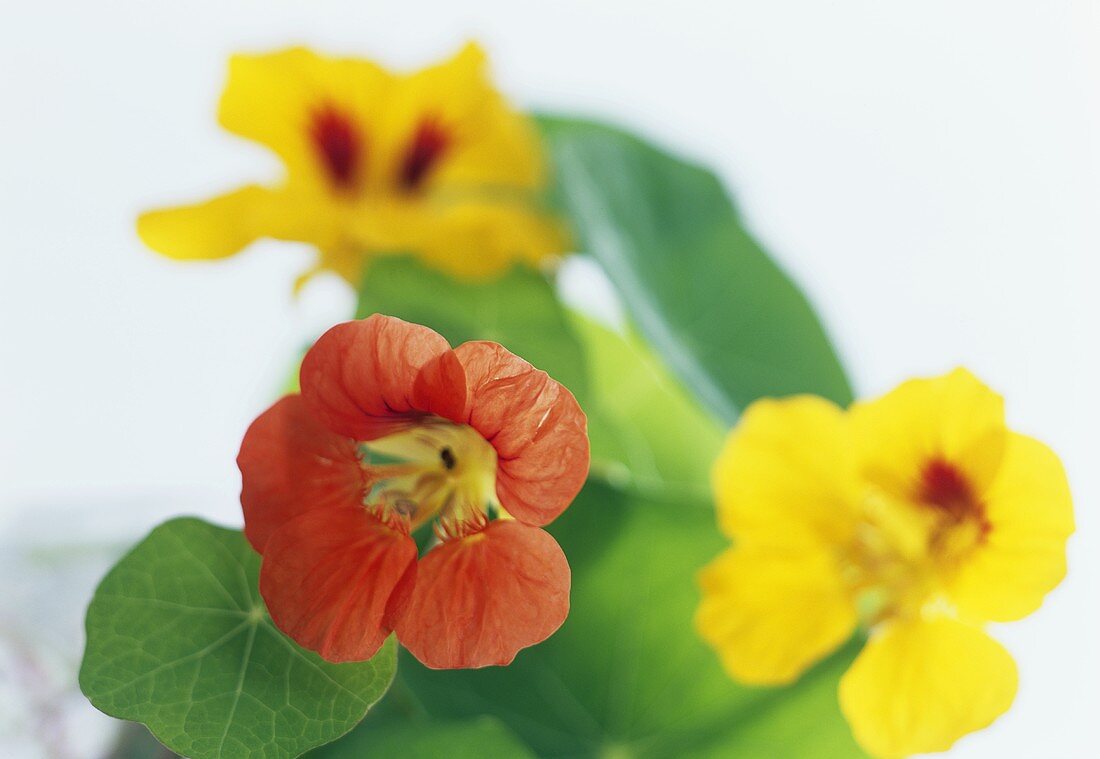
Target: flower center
<point x="907" y="544"/>
<point x="338" y="145"/>
<point x="438" y="470"/>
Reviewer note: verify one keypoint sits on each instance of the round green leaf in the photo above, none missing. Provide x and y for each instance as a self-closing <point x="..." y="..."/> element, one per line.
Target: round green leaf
<point x="179" y="639"/>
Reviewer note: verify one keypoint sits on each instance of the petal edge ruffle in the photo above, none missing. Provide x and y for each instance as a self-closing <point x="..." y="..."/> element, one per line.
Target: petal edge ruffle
<point x="536" y="426"/>
<point x="359" y="377"/>
<point x="479" y="600"/>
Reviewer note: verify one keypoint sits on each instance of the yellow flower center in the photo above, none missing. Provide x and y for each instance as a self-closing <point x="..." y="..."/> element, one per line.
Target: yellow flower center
<point x="436" y="469"/>
<point x="907" y="544"/>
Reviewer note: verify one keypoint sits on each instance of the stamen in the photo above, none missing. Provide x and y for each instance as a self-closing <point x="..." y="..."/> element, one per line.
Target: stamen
<point x="448" y="458"/>
<point x="451" y="527"/>
<point x="391" y="517"/>
<point x="404" y="507"/>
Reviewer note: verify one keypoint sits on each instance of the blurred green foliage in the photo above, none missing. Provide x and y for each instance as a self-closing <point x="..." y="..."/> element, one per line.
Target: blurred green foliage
<point x="704" y="294"/>
<point x="424" y="738"/>
<point x="519" y="310"/>
<point x="647" y="433"/>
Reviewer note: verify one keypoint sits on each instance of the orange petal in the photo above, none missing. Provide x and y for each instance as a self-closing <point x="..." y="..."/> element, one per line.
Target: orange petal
<point x="359" y="376"/>
<point x="480" y="599"/>
<point x="290" y="463"/>
<point x="535" y="424"/>
<point x="440" y="387"/>
<point x="336" y="580"/>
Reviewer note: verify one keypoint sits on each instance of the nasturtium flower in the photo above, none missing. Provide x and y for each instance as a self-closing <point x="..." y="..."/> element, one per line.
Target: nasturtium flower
<point x="433" y="163"/>
<point x="393" y="431"/>
<point x="919" y="516"/>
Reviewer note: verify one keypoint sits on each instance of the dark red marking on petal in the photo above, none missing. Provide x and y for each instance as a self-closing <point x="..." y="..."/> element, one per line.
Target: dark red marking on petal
<point x="338" y="580"/>
<point x="429" y="143"/>
<point x="482" y="598"/>
<point x="339" y="146"/>
<point x="944" y="486"/>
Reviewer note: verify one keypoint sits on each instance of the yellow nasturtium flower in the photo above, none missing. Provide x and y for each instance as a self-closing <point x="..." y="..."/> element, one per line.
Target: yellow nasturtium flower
<point x="433" y="163"/>
<point x="919" y="515"/>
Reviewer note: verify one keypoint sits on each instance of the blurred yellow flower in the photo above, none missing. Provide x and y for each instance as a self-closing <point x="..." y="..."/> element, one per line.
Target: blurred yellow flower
<point x="433" y="163"/>
<point x="919" y="515"/>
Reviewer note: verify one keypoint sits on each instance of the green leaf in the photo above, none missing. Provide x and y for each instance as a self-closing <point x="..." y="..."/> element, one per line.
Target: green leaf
<point x="179" y="639"/>
<point x="627" y="675"/>
<point x="519" y="310"/>
<point x="641" y="419"/>
<point x="428" y="739"/>
<point x="701" y="290"/>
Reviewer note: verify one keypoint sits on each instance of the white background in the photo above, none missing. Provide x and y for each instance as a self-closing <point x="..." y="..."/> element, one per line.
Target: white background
<point x="927" y="171"/>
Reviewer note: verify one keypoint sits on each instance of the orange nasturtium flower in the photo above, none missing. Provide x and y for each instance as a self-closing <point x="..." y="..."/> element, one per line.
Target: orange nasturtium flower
<point x="918" y="514"/>
<point x="433" y="163"/>
<point x="393" y="429"/>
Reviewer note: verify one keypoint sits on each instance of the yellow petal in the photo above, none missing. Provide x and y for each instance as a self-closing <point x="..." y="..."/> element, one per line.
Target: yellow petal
<point x="770" y="614"/>
<point x="1030" y="513"/>
<point x="472" y="240"/>
<point x="785" y="468"/>
<point x="345" y="261"/>
<point x="919" y="686"/>
<point x="489" y="143"/>
<point x="214" y="229"/>
<point x="347" y="130"/>
<point x="478" y="240"/>
<point x="274" y="99"/>
<point x="223" y="226"/>
<point x="954" y="418"/>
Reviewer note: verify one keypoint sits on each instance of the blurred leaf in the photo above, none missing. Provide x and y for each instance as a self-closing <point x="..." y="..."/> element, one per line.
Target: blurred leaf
<point x="640" y="418"/>
<point x="519" y="310"/>
<point x="427" y="739"/>
<point x="136" y="742"/>
<point x="627" y="675"/>
<point x="179" y="640"/>
<point x="701" y="290"/>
